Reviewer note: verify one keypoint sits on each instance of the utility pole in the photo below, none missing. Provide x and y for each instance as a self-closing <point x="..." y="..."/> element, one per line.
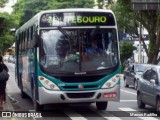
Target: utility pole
<point x="140" y="40"/>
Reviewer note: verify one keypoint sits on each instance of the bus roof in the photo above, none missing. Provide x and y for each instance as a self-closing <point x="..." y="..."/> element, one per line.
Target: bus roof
<point x="76" y="10"/>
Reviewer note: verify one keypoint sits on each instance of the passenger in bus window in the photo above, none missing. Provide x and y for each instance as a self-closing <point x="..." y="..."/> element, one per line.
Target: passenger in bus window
<point x="96" y="46"/>
<point x="92" y="48"/>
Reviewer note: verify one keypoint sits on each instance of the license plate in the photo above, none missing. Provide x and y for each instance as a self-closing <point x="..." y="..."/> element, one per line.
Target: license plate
<point x="110" y="95"/>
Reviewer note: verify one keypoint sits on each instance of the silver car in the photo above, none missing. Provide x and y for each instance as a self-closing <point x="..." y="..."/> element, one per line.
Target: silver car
<point x="132" y="74"/>
<point x="148" y="91"/>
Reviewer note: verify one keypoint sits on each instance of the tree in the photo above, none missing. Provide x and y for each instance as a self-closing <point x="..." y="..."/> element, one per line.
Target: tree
<point x="25" y="9"/>
<point x="6" y="36"/>
<point x="123" y="16"/>
<point x="104" y="3"/>
<point x="59" y="4"/>
<point x="126" y="49"/>
<point x="149" y="19"/>
<point x="3" y="2"/>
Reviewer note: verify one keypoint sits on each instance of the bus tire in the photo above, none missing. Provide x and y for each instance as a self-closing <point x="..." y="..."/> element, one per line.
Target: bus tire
<point x="101" y="105"/>
<point x="36" y="105"/>
<point x="23" y="95"/>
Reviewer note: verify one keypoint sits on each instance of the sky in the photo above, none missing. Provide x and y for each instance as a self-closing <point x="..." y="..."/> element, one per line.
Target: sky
<point x="8" y="6"/>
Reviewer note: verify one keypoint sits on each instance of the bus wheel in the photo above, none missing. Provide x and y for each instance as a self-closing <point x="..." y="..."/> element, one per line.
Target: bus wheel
<point x="36" y="105"/>
<point x="101" y="105"/>
<point x="23" y="95"/>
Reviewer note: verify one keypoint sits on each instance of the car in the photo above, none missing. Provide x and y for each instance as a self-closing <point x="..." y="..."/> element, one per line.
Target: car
<point x="132" y="73"/>
<point x="148" y="91"/>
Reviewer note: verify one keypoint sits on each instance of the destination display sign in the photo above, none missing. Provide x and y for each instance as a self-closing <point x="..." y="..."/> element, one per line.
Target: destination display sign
<point x="77" y="19"/>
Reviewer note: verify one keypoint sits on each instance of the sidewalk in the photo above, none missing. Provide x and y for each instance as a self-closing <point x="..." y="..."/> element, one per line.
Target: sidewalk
<point x="10" y="90"/>
<point x="8" y="107"/>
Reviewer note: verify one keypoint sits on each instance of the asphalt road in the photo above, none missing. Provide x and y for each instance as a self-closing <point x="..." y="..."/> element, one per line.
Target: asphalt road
<point x="123" y="110"/>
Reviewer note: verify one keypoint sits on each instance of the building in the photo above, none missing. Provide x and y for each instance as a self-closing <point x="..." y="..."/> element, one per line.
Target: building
<point x="144" y="58"/>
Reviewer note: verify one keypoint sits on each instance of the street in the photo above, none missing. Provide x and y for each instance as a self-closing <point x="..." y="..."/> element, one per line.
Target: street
<point x="125" y="109"/>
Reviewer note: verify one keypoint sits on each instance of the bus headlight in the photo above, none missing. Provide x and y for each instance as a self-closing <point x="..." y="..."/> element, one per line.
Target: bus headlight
<point x="111" y="82"/>
<point x="48" y="84"/>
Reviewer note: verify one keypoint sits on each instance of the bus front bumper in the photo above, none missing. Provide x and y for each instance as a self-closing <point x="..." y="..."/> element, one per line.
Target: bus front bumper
<point x="49" y="97"/>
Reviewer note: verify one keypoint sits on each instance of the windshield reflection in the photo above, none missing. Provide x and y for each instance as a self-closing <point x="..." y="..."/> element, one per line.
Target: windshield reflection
<point x="78" y="50"/>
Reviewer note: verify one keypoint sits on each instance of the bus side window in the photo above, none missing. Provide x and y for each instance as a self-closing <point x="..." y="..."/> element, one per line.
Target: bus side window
<point x="31" y="35"/>
<point x="27" y="42"/>
<point x="23" y="42"/>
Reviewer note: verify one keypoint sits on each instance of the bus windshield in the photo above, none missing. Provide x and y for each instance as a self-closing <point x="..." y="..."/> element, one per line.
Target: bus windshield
<point x="78" y="50"/>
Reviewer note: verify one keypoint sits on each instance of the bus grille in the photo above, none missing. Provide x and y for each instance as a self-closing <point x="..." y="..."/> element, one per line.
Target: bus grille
<point x="80" y="95"/>
<point x="80" y="79"/>
<point x="76" y="87"/>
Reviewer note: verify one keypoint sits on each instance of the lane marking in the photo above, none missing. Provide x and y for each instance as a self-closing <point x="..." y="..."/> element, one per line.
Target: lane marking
<point x="110" y="116"/>
<point x="138" y="113"/>
<point x="13" y="118"/>
<point x="74" y="115"/>
<point x="129" y="92"/>
<point x="128" y="100"/>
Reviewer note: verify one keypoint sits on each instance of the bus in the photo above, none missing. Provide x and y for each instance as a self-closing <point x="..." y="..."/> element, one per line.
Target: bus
<point x="69" y="56"/>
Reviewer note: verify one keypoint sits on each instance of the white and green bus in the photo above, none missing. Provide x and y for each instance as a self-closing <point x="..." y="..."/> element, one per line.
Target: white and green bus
<point x="69" y="56"/>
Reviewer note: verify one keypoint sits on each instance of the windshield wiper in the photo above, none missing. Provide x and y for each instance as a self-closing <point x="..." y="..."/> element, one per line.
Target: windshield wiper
<point x="65" y="34"/>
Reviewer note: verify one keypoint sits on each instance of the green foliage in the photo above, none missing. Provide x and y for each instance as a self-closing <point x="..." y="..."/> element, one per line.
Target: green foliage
<point x="129" y="20"/>
<point x="104" y="3"/>
<point x="6" y="37"/>
<point x="26" y="9"/>
<point x="59" y="4"/>
<point x="126" y="49"/>
<point x="3" y="2"/>
<point x="100" y="4"/>
<point x="125" y="17"/>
